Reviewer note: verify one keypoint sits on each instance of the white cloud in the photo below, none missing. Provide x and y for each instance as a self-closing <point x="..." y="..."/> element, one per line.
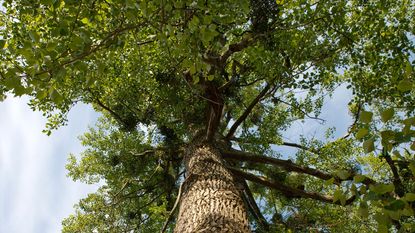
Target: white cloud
<point x="35" y="194"/>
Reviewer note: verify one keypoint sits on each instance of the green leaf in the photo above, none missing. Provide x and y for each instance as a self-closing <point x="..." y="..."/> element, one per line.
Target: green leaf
<point x="2" y="44"/>
<point x="194" y="23"/>
<point x="361" y="133"/>
<point x="366" y="117"/>
<point x="369" y="145"/>
<point x="343" y="174"/>
<point x="382" y="228"/>
<point x="34" y="36"/>
<point x="12" y="82"/>
<point x="405" y="85"/>
<point x="412" y="147"/>
<point x="339" y="196"/>
<point x="387" y="114"/>
<point x="359" y="178"/>
<point x="409" y="197"/>
<point x="363" y="211"/>
<point x="396" y="205"/>
<point x="196" y="79"/>
<point x="408" y="211"/>
<point x="85" y="21"/>
<point x="408" y="69"/>
<point x="41" y="94"/>
<point x="393" y="214"/>
<point x="382" y="188"/>
<point x="329" y="181"/>
<point x="55" y="96"/>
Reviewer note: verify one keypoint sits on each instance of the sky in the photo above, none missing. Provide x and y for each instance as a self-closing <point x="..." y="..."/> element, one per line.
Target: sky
<point x="35" y="193"/>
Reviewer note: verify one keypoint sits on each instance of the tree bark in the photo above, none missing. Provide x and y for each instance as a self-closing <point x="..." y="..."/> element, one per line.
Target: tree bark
<point x="211" y="197"/>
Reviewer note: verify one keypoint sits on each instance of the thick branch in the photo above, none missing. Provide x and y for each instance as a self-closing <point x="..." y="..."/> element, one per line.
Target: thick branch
<point x="287" y="190"/>
<point x="233" y="48"/>
<point x="285" y="164"/>
<point x="244" y="115"/>
<point x="254" y="207"/>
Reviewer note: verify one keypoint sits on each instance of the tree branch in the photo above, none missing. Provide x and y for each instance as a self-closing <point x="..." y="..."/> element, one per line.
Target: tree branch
<point x="233" y="48"/>
<point x="254" y="207"/>
<point x="286" y="165"/>
<point x="103" y="44"/>
<point x="399" y="189"/>
<point x="301" y="110"/>
<point x="287" y="190"/>
<point x="179" y="195"/>
<point x="290" y="144"/>
<point x="248" y="110"/>
<point x="356" y="118"/>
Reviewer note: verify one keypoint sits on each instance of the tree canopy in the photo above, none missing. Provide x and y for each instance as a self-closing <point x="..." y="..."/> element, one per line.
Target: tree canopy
<point x="242" y="73"/>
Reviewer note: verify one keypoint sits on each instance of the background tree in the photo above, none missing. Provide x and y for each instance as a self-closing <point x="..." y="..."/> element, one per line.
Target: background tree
<point x="196" y="94"/>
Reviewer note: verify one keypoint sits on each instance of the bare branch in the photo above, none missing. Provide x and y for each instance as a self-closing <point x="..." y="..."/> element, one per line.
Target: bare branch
<point x="356" y="118"/>
<point x="290" y="144"/>
<point x="176" y="203"/>
<point x="301" y="110"/>
<point x="287" y="190"/>
<point x="233" y="48"/>
<point x="286" y="165"/>
<point x="253" y="206"/>
<point x="244" y="115"/>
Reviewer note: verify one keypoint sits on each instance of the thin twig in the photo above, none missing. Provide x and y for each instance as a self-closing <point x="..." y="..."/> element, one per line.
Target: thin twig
<point x="176" y="203"/>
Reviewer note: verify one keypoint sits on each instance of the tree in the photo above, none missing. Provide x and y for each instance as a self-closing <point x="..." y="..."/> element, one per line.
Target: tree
<point x="196" y="95"/>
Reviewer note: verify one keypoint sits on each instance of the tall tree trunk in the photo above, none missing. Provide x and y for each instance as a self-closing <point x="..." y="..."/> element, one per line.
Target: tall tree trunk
<point x="211" y="198"/>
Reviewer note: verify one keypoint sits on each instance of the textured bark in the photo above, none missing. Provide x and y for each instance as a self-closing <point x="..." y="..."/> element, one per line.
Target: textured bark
<point x="212" y="199"/>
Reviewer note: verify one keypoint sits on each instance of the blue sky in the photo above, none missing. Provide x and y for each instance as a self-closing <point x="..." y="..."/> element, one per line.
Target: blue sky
<point x="35" y="193"/>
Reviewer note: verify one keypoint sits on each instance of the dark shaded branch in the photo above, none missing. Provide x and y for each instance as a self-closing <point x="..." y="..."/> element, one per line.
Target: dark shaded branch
<point x="176" y="203"/>
<point x="291" y="144"/>
<point x="215" y="110"/>
<point x="254" y="207"/>
<point x="286" y="165"/>
<point x="248" y="110"/>
<point x="287" y="190"/>
<point x="351" y="127"/>
<point x="237" y="47"/>
<point x="399" y="189"/>
<point x="112" y="113"/>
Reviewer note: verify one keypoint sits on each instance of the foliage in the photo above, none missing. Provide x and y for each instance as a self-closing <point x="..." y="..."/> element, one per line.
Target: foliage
<point x="245" y="72"/>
